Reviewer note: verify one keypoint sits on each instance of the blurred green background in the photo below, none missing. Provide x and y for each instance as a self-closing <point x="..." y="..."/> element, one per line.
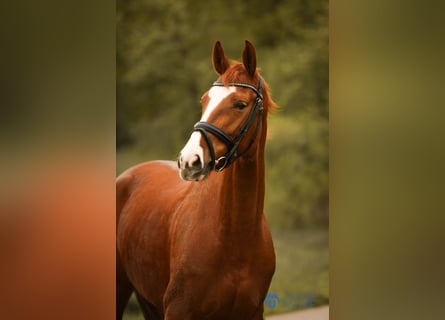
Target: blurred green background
<point x="164" y="66"/>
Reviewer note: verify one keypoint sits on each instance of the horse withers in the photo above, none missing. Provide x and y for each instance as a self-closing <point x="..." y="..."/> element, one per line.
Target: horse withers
<point x="194" y="244"/>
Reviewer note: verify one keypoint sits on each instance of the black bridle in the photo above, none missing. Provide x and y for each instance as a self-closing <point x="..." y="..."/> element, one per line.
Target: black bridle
<point x="232" y="144"/>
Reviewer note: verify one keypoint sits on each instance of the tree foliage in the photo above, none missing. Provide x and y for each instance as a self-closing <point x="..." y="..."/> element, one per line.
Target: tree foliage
<point x="164" y="66"/>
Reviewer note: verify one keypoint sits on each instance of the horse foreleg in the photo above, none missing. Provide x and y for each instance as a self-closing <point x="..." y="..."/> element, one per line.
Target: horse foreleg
<point x="259" y="313"/>
<point x="150" y="312"/>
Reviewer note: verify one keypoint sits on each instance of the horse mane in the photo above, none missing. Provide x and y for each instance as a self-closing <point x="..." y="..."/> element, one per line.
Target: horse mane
<point x="237" y="73"/>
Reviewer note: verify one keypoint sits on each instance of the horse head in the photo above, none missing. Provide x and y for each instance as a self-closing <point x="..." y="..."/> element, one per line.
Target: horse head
<point x="232" y="117"/>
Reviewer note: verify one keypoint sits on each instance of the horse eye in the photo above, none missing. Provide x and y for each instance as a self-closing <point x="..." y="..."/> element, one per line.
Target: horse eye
<point x="240" y="105"/>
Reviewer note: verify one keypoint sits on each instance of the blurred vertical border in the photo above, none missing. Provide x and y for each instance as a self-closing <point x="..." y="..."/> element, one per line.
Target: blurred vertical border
<point x="57" y="151"/>
<point x="386" y="160"/>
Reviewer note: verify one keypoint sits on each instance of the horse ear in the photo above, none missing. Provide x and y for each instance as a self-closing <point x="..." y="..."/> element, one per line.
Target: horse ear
<point x="220" y="61"/>
<point x="249" y="58"/>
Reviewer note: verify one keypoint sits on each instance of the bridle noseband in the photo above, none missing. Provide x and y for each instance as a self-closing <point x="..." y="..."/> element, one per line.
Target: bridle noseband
<point x="232" y="144"/>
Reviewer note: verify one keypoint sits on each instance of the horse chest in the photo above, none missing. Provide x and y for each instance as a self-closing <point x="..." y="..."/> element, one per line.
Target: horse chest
<point x="215" y="281"/>
<point x="231" y="300"/>
<point x="220" y="294"/>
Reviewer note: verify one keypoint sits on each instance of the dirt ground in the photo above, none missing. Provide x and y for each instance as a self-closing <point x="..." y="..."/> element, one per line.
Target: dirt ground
<point x="319" y="313"/>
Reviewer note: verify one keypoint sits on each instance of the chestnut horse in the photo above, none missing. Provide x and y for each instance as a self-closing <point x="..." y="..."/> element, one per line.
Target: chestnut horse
<point x="195" y="245"/>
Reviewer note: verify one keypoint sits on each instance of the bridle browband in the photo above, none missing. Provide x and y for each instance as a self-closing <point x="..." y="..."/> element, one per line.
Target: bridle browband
<point x="232" y="144"/>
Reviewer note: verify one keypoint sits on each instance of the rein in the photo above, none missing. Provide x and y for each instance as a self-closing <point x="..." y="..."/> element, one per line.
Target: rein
<point x="232" y="144"/>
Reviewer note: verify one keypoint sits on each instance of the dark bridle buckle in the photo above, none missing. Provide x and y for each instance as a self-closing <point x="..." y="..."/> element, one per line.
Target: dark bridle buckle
<point x="220" y="164"/>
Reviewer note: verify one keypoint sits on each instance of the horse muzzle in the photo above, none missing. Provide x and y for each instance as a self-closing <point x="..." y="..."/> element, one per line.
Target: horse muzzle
<point x="192" y="169"/>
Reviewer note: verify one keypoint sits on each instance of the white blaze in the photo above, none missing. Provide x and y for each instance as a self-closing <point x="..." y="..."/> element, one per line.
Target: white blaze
<point x="192" y="148"/>
<point x="216" y="95"/>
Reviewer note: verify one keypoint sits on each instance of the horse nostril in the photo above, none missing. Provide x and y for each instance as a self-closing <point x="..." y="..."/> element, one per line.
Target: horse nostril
<point x="196" y="164"/>
<point x="180" y="161"/>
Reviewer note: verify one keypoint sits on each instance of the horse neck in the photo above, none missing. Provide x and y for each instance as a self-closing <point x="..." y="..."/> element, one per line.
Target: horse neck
<point x="241" y="190"/>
